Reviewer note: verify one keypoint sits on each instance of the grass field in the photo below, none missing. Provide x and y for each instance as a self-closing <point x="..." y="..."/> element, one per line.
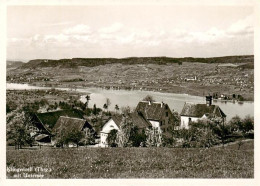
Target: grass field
<point x="84" y="162"/>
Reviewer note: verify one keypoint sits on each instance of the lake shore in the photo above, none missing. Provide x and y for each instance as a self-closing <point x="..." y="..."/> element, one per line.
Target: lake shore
<point x="187" y="90"/>
<point x="131" y="98"/>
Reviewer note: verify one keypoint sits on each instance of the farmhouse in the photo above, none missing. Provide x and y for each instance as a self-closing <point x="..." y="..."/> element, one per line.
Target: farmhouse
<point x="44" y="122"/>
<point x="158" y="114"/>
<point x="192" y="112"/>
<point x="65" y="125"/>
<point x="114" y="123"/>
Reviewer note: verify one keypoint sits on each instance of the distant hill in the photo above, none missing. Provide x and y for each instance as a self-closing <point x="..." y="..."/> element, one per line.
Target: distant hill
<point x="91" y="62"/>
<point x="14" y="64"/>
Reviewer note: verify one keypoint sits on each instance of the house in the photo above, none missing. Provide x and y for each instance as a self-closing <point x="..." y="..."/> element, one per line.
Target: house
<point x="65" y="125"/>
<point x="114" y="123"/>
<point x="158" y="114"/>
<point x="146" y="115"/>
<point x="43" y="123"/>
<point x="192" y="112"/>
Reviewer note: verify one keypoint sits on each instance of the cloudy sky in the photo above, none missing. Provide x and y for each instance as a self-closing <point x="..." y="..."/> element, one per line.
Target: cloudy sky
<point x="56" y="32"/>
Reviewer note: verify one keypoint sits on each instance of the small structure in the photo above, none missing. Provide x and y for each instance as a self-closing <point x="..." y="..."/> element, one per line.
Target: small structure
<point x="192" y="112"/>
<point x="68" y="124"/>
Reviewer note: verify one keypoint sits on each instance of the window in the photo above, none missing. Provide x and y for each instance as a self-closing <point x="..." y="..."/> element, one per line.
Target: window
<point x="166" y="114"/>
<point x="189" y="120"/>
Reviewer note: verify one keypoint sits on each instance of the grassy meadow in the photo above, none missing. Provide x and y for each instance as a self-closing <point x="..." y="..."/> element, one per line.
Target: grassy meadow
<point x="83" y="162"/>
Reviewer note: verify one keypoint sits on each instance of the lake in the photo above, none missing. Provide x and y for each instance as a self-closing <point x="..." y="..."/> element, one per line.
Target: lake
<point x="131" y="98"/>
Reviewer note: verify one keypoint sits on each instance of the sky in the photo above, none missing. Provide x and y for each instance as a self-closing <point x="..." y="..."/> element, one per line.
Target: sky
<point x="55" y="32"/>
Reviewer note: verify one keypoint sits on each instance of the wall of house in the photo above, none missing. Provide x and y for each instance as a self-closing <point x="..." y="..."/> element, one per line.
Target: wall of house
<point x="167" y="121"/>
<point x="103" y="139"/>
<point x="110" y="125"/>
<point x="155" y="124"/>
<point x="185" y="121"/>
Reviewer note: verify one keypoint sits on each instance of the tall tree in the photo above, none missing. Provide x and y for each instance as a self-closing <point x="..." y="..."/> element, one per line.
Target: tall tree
<point x="153" y="137"/>
<point x="116" y="108"/>
<point x="87" y="101"/>
<point x="94" y="110"/>
<point x="108" y="103"/>
<point x="105" y="106"/>
<point x="18" y="124"/>
<point x="124" y="132"/>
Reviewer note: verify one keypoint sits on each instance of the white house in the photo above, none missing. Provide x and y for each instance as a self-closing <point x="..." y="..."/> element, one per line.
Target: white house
<point x="192" y="112"/>
<point x="113" y="123"/>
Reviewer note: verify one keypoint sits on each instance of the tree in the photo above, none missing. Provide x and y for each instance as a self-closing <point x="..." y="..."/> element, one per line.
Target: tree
<point x="149" y="98"/>
<point x="89" y="138"/>
<point x="136" y="137"/>
<point x="123" y="134"/>
<point x="74" y="136"/>
<point x="111" y="139"/>
<point x="242" y="126"/>
<point x="126" y="110"/>
<point x="87" y="101"/>
<point x="116" y="108"/>
<point x="105" y="106"/>
<point x="153" y="137"/>
<point x="18" y="123"/>
<point x="94" y="110"/>
<point x="235" y="124"/>
<point x="108" y="103"/>
<point x="64" y="137"/>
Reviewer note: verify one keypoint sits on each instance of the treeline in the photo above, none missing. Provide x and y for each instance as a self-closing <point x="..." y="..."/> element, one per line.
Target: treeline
<point x="91" y="62"/>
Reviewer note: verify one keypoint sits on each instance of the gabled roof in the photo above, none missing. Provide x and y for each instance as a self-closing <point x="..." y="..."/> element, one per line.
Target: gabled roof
<point x="198" y="110"/>
<point x="50" y="118"/>
<point x="68" y="124"/>
<point x="37" y="122"/>
<point x="136" y="118"/>
<point x="139" y="121"/>
<point x="152" y="110"/>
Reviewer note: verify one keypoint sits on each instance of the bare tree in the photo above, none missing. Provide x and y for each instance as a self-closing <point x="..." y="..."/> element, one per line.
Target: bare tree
<point x="108" y="103"/>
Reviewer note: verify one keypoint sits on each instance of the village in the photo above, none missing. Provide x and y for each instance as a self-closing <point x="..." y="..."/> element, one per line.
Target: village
<point x="127" y="90"/>
<point x="65" y="122"/>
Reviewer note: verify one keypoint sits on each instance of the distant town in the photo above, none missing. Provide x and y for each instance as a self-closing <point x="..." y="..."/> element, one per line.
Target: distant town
<point x="227" y="81"/>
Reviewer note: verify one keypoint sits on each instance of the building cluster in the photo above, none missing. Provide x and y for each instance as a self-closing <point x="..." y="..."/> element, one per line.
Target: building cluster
<point x="147" y="114"/>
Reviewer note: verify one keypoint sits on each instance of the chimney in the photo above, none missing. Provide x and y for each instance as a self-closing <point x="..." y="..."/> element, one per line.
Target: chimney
<point x="208" y="100"/>
<point x="162" y="104"/>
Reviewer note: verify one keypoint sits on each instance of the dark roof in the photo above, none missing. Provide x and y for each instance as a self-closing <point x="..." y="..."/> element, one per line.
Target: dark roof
<point x="50" y="118"/>
<point x="67" y="124"/>
<point x="198" y="110"/>
<point x="117" y="119"/>
<point x="136" y="118"/>
<point x="37" y="122"/>
<point x="139" y="121"/>
<point x="152" y="110"/>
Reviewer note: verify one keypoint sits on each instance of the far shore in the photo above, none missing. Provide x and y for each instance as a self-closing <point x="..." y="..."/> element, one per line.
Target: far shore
<point x="180" y="90"/>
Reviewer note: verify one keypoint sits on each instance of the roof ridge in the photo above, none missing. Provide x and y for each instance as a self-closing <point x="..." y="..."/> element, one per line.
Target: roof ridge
<point x="73" y="118"/>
